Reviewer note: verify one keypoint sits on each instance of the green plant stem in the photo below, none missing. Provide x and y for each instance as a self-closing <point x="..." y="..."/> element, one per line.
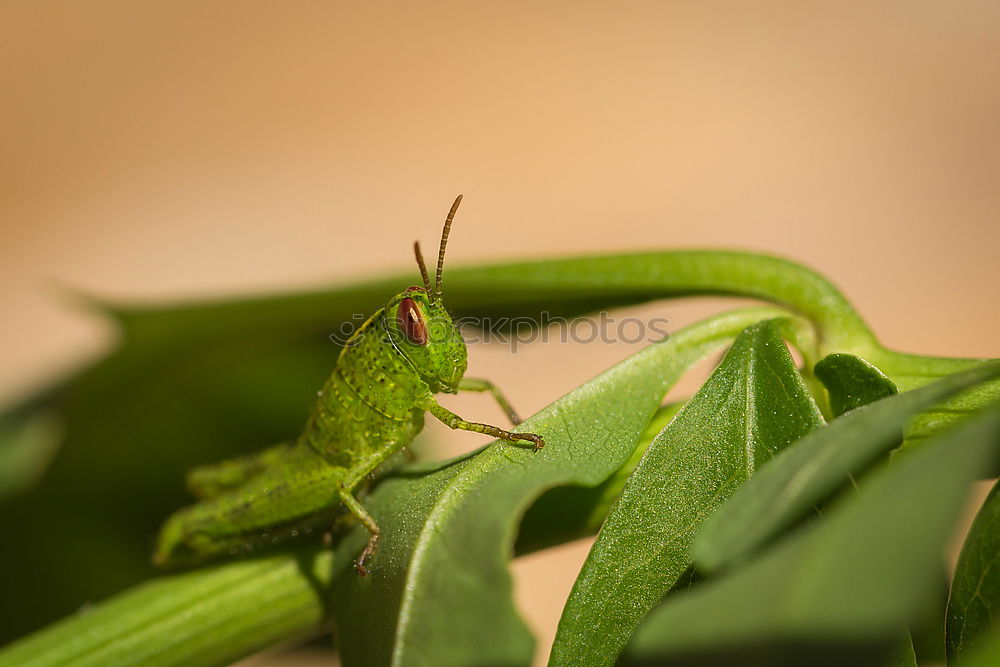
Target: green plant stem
<point x="574" y="285"/>
<point x="645" y="276"/>
<point x="209" y="616"/>
<point x="636" y="277"/>
<point x="566" y="287"/>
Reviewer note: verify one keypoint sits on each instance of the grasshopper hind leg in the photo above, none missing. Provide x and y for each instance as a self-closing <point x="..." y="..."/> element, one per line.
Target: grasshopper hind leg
<point x="303" y="492"/>
<point x="211" y="481"/>
<point x="358" y="510"/>
<point x="180" y="545"/>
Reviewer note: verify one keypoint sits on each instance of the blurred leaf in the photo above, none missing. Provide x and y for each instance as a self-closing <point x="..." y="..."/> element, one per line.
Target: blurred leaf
<point x="902" y="654"/>
<point x="839" y="584"/>
<point x="852" y="382"/>
<point x="133" y="425"/>
<point x="974" y="605"/>
<point x="806" y="473"/>
<point x="27" y="445"/>
<point x="449" y="532"/>
<point x="751" y="407"/>
<point x="927" y="630"/>
<point x="987" y="653"/>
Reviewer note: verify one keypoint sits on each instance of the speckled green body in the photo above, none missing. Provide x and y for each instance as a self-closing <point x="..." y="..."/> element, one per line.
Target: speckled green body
<point x="371" y="407"/>
<point x="372" y="404"/>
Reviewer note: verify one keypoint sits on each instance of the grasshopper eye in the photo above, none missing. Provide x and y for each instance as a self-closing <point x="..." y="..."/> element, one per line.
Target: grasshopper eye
<point x="411" y="322"/>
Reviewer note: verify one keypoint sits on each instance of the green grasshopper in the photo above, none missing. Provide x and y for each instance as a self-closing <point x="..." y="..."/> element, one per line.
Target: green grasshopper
<point x="371" y="408"/>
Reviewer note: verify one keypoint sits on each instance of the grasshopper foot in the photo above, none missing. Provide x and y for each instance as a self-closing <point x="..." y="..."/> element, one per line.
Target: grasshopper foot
<point x="366" y="554"/>
<point x="533" y="438"/>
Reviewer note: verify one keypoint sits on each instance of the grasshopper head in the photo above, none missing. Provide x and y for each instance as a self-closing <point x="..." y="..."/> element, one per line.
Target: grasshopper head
<point x="423" y="331"/>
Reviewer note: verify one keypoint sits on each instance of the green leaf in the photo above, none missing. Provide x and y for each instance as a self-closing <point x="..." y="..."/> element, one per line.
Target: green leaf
<point x="845" y="583"/>
<point x="974" y="604"/>
<point x="909" y="372"/>
<point x="566" y="513"/>
<point x="987" y="653"/>
<point x="902" y="654"/>
<point x="927" y="632"/>
<point x="27" y="445"/>
<point x="449" y="534"/>
<point x="949" y="412"/>
<point x="751" y="407"/>
<point x="852" y="382"/>
<point x="813" y="468"/>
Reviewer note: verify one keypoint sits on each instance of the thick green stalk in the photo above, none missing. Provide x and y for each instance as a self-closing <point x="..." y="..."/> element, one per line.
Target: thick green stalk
<point x="636" y="277"/>
<point x="646" y="276"/>
<point x="210" y="616"/>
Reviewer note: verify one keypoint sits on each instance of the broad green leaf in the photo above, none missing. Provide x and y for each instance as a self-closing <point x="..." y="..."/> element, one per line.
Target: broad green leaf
<point x="974" y="604"/>
<point x="567" y="513"/>
<point x="808" y="472"/>
<point x="909" y="372"/>
<point x="751" y="407"/>
<point x="852" y="382"/>
<point x="845" y="583"/>
<point x="949" y="412"/>
<point x="449" y="535"/>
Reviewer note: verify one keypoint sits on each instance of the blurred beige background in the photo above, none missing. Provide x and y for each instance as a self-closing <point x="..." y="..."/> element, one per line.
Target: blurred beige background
<point x="168" y="150"/>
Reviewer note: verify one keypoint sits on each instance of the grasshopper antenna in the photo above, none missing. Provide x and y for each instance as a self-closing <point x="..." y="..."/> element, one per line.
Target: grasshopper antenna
<point x="444" y="243"/>
<point x="423" y="267"/>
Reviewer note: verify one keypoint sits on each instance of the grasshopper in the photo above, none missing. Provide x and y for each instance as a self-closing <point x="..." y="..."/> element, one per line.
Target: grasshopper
<point x="371" y="408"/>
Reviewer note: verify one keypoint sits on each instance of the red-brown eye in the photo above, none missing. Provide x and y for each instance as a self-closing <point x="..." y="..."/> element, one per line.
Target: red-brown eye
<point x="411" y="322"/>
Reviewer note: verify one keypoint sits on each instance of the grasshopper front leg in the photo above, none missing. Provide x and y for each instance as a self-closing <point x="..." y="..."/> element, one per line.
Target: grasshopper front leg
<point x="479" y="384"/>
<point x="451" y="420"/>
